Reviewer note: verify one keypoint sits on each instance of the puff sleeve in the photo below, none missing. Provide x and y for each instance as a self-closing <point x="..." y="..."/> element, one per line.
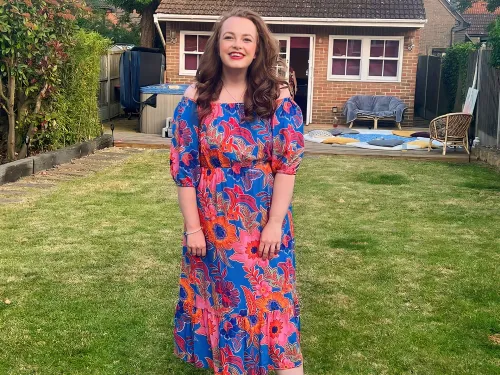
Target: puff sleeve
<point x="288" y="138"/>
<point x="184" y="151"/>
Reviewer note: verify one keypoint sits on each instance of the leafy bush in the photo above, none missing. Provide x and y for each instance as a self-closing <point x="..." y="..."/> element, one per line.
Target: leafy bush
<point x="494" y="41"/>
<point x="73" y="115"/>
<point x="455" y="67"/>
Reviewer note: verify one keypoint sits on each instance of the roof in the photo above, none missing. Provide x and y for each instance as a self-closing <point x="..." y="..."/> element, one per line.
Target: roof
<point x="480" y="7"/>
<point x="479" y="18"/>
<point x="321" y="9"/>
<point x="479" y="23"/>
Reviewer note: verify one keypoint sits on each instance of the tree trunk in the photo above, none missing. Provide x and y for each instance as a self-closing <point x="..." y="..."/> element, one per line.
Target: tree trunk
<point x="11" y="142"/>
<point x="38" y="105"/>
<point x="147" y="25"/>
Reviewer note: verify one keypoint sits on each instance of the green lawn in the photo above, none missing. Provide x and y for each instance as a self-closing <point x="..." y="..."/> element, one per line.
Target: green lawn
<point x="398" y="269"/>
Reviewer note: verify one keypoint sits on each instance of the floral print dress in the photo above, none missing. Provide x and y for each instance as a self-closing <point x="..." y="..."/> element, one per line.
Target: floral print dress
<point x="237" y="313"/>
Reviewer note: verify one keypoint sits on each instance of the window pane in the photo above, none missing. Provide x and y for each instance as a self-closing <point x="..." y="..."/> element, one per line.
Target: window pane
<point x="390" y="68"/>
<point x="392" y="48"/>
<point x="190" y="42"/>
<point x="377" y="48"/>
<point x="376" y="68"/>
<point x="354" y="48"/>
<point x="283" y="44"/>
<point x="353" y="67"/>
<point x="339" y="47"/>
<point x="202" y="42"/>
<point x="338" y="67"/>
<point x="191" y="62"/>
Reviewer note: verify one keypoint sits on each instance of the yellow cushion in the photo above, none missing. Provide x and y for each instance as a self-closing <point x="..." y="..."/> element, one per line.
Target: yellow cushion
<point x="421" y="144"/>
<point x="340" y="140"/>
<point x="403" y="133"/>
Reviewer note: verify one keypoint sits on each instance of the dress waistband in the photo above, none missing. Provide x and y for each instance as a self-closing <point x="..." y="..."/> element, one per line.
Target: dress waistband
<point x="237" y="165"/>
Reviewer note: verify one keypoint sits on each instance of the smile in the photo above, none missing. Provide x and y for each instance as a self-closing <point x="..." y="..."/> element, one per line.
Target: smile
<point x="236" y="55"/>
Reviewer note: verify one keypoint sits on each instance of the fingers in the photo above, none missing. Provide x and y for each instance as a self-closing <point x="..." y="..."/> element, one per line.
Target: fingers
<point x="277" y="249"/>
<point x="261" y="249"/>
<point x="268" y="250"/>
<point x="197" y="250"/>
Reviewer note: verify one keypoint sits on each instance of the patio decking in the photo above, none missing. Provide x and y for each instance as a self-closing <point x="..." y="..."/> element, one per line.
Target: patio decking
<point x="126" y="135"/>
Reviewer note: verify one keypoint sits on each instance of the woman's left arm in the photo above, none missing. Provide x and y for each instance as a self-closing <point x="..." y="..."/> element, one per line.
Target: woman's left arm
<point x="270" y="239"/>
<point x="288" y="148"/>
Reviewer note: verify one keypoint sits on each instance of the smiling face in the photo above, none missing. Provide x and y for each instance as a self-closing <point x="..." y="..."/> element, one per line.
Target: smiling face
<point x="238" y="43"/>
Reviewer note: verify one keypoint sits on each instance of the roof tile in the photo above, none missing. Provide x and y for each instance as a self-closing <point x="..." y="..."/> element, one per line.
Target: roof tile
<point x="364" y="9"/>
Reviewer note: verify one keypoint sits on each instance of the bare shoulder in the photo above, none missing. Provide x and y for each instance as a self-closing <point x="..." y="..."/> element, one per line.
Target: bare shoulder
<point x="191" y="92"/>
<point x="284" y="92"/>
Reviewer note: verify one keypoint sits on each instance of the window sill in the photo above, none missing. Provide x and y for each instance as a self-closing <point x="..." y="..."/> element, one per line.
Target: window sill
<point x="187" y="73"/>
<point x="331" y="79"/>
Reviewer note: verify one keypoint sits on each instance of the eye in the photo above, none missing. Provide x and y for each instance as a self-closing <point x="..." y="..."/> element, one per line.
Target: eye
<point x="247" y="40"/>
<point x="228" y="37"/>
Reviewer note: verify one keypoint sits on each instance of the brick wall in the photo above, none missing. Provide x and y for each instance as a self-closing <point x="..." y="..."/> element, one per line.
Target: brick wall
<point x="173" y="48"/>
<point x="437" y="30"/>
<point x="326" y="94"/>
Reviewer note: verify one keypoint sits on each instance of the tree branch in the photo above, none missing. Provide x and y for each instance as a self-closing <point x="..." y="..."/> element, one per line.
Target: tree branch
<point x="2" y="94"/>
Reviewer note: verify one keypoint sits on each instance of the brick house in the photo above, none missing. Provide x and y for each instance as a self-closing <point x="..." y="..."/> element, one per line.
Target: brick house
<point x="479" y="19"/>
<point x="445" y="26"/>
<point x="337" y="49"/>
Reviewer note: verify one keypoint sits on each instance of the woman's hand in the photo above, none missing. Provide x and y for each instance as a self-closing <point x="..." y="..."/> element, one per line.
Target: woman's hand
<point x="270" y="240"/>
<point x="196" y="244"/>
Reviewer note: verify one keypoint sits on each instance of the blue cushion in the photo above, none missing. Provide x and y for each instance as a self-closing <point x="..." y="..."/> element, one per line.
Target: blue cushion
<point x="386" y="142"/>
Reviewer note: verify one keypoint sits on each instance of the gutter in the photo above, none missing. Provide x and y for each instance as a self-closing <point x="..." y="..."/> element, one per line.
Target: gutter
<point x="308" y="21"/>
<point x="158" y="28"/>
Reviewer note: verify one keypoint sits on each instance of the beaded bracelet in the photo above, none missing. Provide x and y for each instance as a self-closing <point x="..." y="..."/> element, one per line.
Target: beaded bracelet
<point x="195" y="231"/>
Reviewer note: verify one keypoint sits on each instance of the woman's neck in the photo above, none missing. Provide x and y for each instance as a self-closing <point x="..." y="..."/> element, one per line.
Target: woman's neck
<point x="234" y="78"/>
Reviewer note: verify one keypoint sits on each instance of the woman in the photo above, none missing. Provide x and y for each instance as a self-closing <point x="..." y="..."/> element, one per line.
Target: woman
<point x="236" y="148"/>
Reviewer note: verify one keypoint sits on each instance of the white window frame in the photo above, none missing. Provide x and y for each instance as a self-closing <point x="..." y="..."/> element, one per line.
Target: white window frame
<point x="182" y="53"/>
<point x="365" y="59"/>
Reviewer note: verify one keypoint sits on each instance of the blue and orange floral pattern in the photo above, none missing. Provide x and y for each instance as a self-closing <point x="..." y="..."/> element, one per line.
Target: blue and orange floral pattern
<point x="237" y="313"/>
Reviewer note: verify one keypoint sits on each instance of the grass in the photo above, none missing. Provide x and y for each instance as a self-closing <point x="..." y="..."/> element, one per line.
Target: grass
<point x="397" y="267"/>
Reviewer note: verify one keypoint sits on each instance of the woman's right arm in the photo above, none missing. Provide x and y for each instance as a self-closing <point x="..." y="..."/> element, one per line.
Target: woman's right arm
<point x="185" y="169"/>
<point x="195" y="241"/>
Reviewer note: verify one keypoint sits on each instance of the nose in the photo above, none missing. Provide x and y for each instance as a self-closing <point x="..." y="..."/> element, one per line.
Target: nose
<point x="237" y="43"/>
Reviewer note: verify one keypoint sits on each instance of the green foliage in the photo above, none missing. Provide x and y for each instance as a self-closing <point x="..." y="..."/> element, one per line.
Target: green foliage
<point x="494" y="41"/>
<point x="34" y="37"/>
<point x="455" y="69"/>
<point x="74" y="115"/>
<point x="131" y="5"/>
<point x="461" y="5"/>
<point x="123" y="32"/>
<point x="493" y="4"/>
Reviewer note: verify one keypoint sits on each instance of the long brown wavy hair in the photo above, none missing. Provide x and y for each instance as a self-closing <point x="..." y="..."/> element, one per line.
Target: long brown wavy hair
<point x="263" y="83"/>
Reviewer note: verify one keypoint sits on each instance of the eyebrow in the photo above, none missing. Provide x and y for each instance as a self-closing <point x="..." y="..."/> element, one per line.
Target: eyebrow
<point x="230" y="32"/>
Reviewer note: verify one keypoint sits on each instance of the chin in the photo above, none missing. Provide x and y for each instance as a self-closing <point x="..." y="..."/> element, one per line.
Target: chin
<point x="237" y="64"/>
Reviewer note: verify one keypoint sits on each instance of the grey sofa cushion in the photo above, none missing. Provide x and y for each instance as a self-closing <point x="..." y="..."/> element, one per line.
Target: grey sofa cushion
<point x="386" y="142"/>
<point x="349" y="131"/>
<point x="335" y="131"/>
<point x="376" y="106"/>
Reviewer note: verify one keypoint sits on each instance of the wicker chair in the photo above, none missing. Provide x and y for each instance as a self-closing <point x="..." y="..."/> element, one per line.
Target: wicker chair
<point x="451" y="129"/>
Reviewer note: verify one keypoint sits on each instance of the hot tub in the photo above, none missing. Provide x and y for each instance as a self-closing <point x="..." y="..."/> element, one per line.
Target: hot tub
<point x="153" y="120"/>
